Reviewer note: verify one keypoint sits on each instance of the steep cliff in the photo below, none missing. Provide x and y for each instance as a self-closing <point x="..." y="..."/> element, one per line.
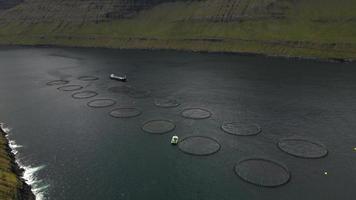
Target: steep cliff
<point x="317" y="28"/>
<point x="12" y="186"/>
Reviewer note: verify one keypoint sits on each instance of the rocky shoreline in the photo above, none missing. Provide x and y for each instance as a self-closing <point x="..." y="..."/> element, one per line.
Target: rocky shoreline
<point x="16" y="189"/>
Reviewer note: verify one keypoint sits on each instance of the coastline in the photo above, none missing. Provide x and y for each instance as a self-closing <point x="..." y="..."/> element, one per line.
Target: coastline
<point x="158" y="47"/>
<point x="12" y="185"/>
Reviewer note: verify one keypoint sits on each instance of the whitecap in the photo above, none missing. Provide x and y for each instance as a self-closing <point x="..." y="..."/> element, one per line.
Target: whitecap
<point x="38" y="187"/>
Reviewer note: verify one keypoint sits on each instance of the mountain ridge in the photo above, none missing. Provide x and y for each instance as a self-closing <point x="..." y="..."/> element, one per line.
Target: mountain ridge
<point x="321" y="29"/>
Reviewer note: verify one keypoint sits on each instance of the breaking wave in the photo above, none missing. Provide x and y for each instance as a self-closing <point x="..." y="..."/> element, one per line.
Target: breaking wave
<point x="38" y="187"/>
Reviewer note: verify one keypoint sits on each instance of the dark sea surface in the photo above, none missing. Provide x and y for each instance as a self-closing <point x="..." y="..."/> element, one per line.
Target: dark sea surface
<point x="87" y="154"/>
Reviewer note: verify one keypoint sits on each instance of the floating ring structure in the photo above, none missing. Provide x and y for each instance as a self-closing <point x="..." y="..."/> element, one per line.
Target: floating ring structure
<point x="199" y="145"/>
<point x="125" y="112"/>
<point x="57" y="82"/>
<point x="124" y="89"/>
<point x="88" y="78"/>
<point x="196" y="113"/>
<point x="166" y="103"/>
<point x="302" y="148"/>
<point x="158" y="126"/>
<point x="101" y="103"/>
<point x="139" y="94"/>
<point x="131" y="91"/>
<point x="69" y="88"/>
<point x="241" y="129"/>
<point x="262" y="172"/>
<point x="84" y="94"/>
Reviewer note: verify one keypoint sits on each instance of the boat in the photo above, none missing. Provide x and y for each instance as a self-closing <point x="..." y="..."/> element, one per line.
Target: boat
<point x="174" y="140"/>
<point x="118" y="78"/>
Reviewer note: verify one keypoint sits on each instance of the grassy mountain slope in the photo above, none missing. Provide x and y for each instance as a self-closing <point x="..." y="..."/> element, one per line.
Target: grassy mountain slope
<point x="12" y="187"/>
<point x="309" y="28"/>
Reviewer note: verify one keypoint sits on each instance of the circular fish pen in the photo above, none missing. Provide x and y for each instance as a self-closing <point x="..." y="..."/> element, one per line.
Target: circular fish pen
<point x="101" y="103"/>
<point x="57" y="82"/>
<point x="139" y="93"/>
<point x="124" y="89"/>
<point x="262" y="172"/>
<point x="131" y="91"/>
<point x="69" y="88"/>
<point x="158" y="126"/>
<point x="196" y="113"/>
<point x="302" y="148"/>
<point x="88" y="78"/>
<point x="84" y="94"/>
<point x="125" y="112"/>
<point x="241" y="129"/>
<point x="199" y="145"/>
<point x="166" y="103"/>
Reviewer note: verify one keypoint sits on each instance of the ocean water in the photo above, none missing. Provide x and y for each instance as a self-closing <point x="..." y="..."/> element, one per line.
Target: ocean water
<point x="73" y="151"/>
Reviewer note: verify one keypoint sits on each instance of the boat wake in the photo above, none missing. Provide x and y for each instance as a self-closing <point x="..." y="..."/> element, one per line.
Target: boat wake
<point x="38" y="187"/>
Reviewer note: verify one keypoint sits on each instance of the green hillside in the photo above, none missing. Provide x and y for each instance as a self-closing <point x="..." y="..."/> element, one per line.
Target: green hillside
<point x="306" y="28"/>
<point x="12" y="187"/>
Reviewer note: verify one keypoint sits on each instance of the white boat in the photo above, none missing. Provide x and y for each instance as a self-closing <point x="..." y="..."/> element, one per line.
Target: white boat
<point x="174" y="140"/>
<point x="118" y="78"/>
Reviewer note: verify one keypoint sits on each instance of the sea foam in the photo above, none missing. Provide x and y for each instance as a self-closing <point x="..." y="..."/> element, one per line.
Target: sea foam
<point x="38" y="187"/>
